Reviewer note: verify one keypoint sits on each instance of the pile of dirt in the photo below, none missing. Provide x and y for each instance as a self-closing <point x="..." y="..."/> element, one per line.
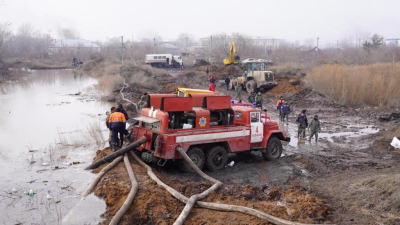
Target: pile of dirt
<point x="154" y="205"/>
<point x="383" y="140"/>
<point x="285" y="87"/>
<point x="303" y="206"/>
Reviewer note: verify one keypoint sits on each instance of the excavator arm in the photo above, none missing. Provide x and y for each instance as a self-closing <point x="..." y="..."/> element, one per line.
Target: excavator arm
<point x="232" y="51"/>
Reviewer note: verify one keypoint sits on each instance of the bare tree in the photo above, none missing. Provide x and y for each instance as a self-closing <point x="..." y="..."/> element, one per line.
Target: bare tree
<point x="5" y="34"/>
<point x="26" y="29"/>
<point x="185" y="41"/>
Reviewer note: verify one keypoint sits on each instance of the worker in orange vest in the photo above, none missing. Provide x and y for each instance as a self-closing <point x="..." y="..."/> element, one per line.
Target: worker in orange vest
<point x="117" y="123"/>
<point x="279" y="104"/>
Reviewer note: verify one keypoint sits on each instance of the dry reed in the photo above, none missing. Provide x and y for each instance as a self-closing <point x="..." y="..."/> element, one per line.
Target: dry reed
<point x="371" y="85"/>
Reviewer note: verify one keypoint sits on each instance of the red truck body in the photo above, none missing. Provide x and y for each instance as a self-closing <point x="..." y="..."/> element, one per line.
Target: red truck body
<point x="215" y="126"/>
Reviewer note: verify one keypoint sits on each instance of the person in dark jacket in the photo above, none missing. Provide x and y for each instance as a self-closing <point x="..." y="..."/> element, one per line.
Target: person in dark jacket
<point x="123" y="111"/>
<point x="315" y="127"/>
<point x="207" y="71"/>
<point x="279" y="103"/>
<point x="302" y="123"/>
<point x="227" y="81"/>
<point x="212" y="79"/>
<point x="252" y="97"/>
<point x="117" y="123"/>
<point x="285" y="111"/>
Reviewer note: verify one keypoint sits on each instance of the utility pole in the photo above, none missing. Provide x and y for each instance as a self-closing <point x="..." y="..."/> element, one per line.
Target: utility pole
<point x="154" y="45"/>
<point x="265" y="48"/>
<point x="273" y="44"/>
<point x="337" y="44"/>
<point x="211" y="50"/>
<point x="186" y="44"/>
<point x="122" y="49"/>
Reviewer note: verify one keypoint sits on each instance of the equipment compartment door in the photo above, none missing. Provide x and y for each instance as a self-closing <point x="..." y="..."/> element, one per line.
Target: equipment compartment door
<point x="256" y="128"/>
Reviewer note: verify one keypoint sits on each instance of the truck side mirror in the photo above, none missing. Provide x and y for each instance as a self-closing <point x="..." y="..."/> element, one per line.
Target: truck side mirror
<point x="265" y="110"/>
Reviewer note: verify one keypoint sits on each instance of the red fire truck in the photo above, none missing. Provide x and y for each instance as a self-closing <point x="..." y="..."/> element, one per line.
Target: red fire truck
<point x="206" y="131"/>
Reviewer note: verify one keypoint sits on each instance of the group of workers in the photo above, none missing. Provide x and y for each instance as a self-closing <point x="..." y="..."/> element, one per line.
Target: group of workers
<point x="283" y="108"/>
<point x="116" y="123"/>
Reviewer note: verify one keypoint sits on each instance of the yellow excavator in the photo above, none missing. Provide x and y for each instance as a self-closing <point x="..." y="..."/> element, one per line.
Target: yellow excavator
<point x="232" y="59"/>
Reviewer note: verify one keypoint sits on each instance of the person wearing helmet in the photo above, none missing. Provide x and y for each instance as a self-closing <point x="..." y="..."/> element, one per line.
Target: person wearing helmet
<point x="315" y="127"/>
<point x="259" y="100"/>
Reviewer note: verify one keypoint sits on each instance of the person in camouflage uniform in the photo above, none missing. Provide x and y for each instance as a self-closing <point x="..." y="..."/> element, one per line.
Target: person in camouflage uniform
<point x="239" y="92"/>
<point x="259" y="100"/>
<point x="315" y="127"/>
<point x="143" y="101"/>
<point x="302" y="123"/>
<point x="108" y="123"/>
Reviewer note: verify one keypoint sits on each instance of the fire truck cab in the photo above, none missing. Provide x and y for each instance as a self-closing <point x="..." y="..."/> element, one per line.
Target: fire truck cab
<point x="207" y="132"/>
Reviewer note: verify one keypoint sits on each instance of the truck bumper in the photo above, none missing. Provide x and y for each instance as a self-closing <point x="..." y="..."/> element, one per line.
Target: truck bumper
<point x="287" y="139"/>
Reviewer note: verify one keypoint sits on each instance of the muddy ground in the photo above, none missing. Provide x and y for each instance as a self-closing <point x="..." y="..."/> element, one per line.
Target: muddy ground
<point x="351" y="176"/>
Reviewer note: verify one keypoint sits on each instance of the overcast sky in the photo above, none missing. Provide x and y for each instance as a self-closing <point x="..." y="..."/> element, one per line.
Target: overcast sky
<point x="292" y="20"/>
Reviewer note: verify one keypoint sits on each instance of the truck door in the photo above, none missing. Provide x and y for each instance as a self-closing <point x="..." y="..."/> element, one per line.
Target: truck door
<point x="256" y="127"/>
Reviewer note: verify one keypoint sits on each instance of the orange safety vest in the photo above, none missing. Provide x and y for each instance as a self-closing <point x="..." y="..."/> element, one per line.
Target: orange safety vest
<point x="280" y="102"/>
<point x="116" y="120"/>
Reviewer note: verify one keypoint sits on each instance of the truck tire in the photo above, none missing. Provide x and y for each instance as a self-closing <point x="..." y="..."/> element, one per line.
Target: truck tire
<point x="216" y="158"/>
<point x="148" y="158"/>
<point x="251" y="86"/>
<point x="231" y="85"/>
<point x="234" y="83"/>
<point x="274" y="149"/>
<point x="197" y="156"/>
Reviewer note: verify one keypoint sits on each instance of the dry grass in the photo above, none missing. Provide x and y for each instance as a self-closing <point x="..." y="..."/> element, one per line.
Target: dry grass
<point x="373" y="85"/>
<point x="290" y="68"/>
<point x="145" y="81"/>
<point x="93" y="134"/>
<point x="152" y="70"/>
<point x="108" y="83"/>
<point x="96" y="133"/>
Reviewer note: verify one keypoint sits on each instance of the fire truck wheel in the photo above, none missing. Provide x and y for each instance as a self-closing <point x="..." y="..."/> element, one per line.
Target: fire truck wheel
<point x="274" y="149"/>
<point x="216" y="158"/>
<point x="148" y="158"/>
<point x="197" y="156"/>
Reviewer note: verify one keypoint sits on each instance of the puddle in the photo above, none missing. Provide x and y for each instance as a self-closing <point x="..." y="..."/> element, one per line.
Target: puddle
<point x="342" y="132"/>
<point x="42" y="118"/>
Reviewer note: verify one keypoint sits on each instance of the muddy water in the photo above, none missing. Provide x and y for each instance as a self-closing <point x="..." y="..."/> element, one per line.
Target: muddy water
<point x="44" y="127"/>
<point x="342" y="133"/>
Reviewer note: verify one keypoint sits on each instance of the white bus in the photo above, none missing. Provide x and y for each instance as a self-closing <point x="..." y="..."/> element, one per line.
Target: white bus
<point x="163" y="60"/>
